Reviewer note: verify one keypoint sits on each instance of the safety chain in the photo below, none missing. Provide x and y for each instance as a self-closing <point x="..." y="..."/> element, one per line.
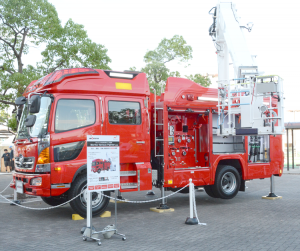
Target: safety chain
<point x="146" y="201"/>
<point x="47" y="208"/>
<point x="44" y="208"/>
<point x="195" y="209"/>
<point x="6" y="187"/>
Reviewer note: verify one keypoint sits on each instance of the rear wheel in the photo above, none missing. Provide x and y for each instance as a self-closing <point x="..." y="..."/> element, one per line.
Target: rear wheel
<point x="53" y="201"/>
<point x="99" y="201"/>
<point x="227" y="182"/>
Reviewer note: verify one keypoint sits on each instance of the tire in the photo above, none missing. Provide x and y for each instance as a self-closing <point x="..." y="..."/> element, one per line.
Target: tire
<point x="99" y="171"/>
<point x="227" y="182"/>
<point x="209" y="190"/>
<point x="53" y="201"/>
<point x="99" y="202"/>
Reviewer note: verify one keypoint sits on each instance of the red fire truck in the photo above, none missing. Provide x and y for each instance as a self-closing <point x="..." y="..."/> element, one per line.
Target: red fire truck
<point x="99" y="164"/>
<point x="219" y="138"/>
<point x="174" y="133"/>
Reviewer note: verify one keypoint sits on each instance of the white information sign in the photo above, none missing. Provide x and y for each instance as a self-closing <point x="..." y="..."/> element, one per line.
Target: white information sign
<point x="103" y="162"/>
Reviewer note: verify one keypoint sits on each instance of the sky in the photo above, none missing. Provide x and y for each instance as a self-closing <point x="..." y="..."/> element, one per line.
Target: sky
<point x="128" y="28"/>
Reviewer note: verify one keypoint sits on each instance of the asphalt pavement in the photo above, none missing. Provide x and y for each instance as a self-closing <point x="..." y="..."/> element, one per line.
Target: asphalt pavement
<point x="246" y="222"/>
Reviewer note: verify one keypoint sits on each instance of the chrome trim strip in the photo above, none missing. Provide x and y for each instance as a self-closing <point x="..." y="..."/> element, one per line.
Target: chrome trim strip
<point x="139" y="163"/>
<point x="191" y="168"/>
<point x="128" y="185"/>
<point x="128" y="173"/>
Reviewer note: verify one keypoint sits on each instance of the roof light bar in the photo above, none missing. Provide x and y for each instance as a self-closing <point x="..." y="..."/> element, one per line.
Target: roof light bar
<point x="120" y="75"/>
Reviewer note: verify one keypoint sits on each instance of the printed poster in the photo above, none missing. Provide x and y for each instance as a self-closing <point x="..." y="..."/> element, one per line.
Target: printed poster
<point x="103" y="162"/>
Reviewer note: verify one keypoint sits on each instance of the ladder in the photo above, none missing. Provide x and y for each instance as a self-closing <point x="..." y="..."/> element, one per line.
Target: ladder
<point x="158" y="122"/>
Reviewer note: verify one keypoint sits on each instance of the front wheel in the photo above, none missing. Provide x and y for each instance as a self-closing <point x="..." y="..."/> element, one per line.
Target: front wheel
<point x="227" y="182"/>
<point x="99" y="201"/>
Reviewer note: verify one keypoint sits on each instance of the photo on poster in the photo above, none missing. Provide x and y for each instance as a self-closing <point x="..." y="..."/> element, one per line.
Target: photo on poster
<point x="103" y="162"/>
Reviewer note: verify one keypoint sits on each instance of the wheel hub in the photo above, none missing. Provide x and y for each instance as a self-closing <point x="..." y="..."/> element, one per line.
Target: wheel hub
<point x="96" y="197"/>
<point x="228" y="182"/>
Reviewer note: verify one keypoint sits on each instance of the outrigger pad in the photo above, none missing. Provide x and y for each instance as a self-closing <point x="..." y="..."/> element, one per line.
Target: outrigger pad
<point x="271" y="196"/>
<point x="158" y="210"/>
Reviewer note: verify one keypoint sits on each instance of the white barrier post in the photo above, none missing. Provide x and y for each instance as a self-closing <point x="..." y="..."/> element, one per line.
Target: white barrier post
<point x="191" y="220"/>
<point x="16" y="201"/>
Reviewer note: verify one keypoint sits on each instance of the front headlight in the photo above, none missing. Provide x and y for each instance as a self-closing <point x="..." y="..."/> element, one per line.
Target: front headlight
<point x="36" y="181"/>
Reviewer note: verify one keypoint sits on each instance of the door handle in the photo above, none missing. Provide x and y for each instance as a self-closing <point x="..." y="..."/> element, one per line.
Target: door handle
<point x="140" y="142"/>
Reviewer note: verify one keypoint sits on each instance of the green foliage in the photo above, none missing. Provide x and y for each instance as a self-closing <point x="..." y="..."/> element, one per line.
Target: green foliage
<point x="73" y="49"/>
<point x="199" y="79"/>
<point x="12" y="124"/>
<point x="29" y="23"/>
<point x="167" y="51"/>
<point x="7" y="120"/>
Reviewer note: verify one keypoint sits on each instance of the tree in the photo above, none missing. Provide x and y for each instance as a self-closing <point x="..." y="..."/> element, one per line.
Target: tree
<point x="29" y="23"/>
<point x="9" y="121"/>
<point x="168" y="50"/>
<point x="198" y="78"/>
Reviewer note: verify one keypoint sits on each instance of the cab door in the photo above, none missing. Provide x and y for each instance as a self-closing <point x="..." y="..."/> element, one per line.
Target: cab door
<point x="126" y="117"/>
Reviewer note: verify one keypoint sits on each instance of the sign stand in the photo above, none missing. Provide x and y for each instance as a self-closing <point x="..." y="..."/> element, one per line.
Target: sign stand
<point x="89" y="232"/>
<point x="103" y="174"/>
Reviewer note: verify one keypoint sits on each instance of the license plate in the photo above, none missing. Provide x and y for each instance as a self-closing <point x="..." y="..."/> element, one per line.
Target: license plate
<point x="19" y="186"/>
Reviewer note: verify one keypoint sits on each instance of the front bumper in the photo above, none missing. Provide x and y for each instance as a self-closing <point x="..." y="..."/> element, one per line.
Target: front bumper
<point x="43" y="190"/>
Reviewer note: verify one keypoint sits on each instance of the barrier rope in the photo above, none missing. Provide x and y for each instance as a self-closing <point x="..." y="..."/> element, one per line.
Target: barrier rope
<point x="127" y="201"/>
<point x="47" y="208"/>
<point x="146" y="201"/>
<point x="44" y="208"/>
<point x="195" y="209"/>
<point x="6" y="187"/>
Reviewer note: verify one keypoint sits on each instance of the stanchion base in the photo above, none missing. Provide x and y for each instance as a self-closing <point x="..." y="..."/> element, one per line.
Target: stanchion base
<point x="15" y="202"/>
<point x="191" y="221"/>
<point x="150" y="193"/>
<point x="271" y="196"/>
<point x="159" y="210"/>
<point x="84" y="228"/>
<point x="163" y="206"/>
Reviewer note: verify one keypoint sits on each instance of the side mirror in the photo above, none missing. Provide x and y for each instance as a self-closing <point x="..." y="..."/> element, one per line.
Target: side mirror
<point x="35" y="104"/>
<point x="30" y="120"/>
<point x="20" y="101"/>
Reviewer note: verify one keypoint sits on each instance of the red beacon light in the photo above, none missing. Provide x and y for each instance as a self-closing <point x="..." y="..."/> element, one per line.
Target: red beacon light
<point x="190" y="97"/>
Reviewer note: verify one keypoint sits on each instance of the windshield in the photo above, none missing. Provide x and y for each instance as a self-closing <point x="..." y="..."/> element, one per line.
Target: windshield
<point x="41" y="124"/>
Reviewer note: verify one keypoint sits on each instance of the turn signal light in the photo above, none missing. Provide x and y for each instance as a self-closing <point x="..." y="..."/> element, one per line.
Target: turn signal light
<point x="57" y="168"/>
<point x="44" y="157"/>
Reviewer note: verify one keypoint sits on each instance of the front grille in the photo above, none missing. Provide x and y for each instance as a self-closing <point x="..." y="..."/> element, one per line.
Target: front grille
<point x="24" y="162"/>
<point x="25" y="180"/>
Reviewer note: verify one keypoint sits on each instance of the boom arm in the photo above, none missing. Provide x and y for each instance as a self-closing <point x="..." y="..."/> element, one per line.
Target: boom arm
<point x="247" y="96"/>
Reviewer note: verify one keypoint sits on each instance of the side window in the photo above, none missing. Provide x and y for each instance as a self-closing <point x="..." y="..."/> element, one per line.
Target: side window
<point x="74" y="113"/>
<point x="124" y="113"/>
